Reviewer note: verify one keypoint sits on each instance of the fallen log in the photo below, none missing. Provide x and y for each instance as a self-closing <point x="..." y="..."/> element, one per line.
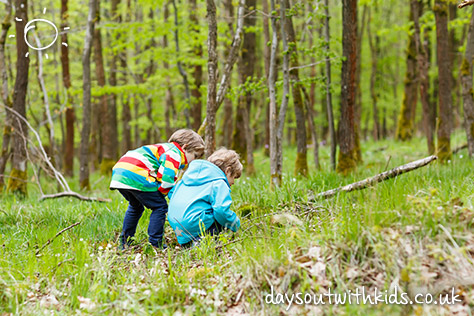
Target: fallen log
<point x="378" y="178"/>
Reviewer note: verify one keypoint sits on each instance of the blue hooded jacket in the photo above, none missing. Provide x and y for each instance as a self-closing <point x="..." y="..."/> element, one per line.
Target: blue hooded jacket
<point x="200" y="198"/>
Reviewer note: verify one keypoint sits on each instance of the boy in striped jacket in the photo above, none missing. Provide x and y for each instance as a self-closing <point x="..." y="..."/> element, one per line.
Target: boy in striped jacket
<point x="144" y="177"/>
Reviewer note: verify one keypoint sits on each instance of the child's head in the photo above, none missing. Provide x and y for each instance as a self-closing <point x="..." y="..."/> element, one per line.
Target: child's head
<point x="228" y="161"/>
<point x="190" y="141"/>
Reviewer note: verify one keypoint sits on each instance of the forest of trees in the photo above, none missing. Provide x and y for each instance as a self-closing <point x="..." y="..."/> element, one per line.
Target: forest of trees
<point x="249" y="75"/>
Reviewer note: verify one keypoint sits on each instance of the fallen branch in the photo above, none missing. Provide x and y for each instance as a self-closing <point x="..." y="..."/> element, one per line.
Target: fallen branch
<point x="458" y="149"/>
<point x="58" y="175"/>
<point x="465" y="3"/>
<point x="74" y="195"/>
<point x="378" y="178"/>
<point x="52" y="239"/>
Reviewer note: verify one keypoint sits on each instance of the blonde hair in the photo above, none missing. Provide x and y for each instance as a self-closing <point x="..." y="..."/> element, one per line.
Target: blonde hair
<point x="191" y="139"/>
<point x="225" y="158"/>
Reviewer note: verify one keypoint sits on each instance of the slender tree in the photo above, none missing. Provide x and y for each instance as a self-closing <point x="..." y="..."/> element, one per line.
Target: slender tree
<point x="348" y="151"/>
<point x="243" y="135"/>
<point x="466" y="80"/>
<point x="126" y="112"/>
<point x="332" y="130"/>
<point x="444" y="79"/>
<point x="70" y="111"/>
<point x="7" y="128"/>
<point x="196" y="73"/>
<point x="18" y="175"/>
<point x="405" y="125"/>
<point x="301" y="163"/>
<point x="275" y="172"/>
<point x="212" y="81"/>
<point x="86" y="97"/>
<point x="374" y="43"/>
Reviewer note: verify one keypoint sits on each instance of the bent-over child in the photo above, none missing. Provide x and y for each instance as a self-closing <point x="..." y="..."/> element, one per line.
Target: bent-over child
<point x="201" y="201"/>
<point x="144" y="177"/>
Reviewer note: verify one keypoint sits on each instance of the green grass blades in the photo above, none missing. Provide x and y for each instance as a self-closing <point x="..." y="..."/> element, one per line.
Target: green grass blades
<point x="414" y="232"/>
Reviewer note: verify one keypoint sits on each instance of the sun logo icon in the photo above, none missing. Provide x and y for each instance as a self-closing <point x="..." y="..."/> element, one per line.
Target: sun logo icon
<point x="31" y="25"/>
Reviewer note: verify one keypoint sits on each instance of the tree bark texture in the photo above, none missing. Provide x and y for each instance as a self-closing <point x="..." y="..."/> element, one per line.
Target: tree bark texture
<point x="374" y="43"/>
<point x="18" y="175"/>
<point x="275" y="176"/>
<point x="196" y="103"/>
<point x="466" y="80"/>
<point x="86" y="97"/>
<point x="332" y="129"/>
<point x="211" y="108"/>
<point x="444" y="91"/>
<point x="7" y="128"/>
<point x="126" y="112"/>
<point x="242" y="136"/>
<point x="405" y="124"/>
<point x="348" y="152"/>
<point x="301" y="163"/>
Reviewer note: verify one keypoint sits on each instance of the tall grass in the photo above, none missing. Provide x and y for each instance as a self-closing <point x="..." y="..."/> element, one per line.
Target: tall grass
<point x="415" y="231"/>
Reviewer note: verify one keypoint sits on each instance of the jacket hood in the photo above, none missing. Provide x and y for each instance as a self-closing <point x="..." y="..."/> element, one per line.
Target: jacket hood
<point x="202" y="171"/>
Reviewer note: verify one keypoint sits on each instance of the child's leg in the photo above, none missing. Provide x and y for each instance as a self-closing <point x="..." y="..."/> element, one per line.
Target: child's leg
<point x="156" y="202"/>
<point x="132" y="216"/>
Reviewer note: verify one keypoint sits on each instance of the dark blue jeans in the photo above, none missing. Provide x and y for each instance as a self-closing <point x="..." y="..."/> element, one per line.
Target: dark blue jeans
<point x="138" y="200"/>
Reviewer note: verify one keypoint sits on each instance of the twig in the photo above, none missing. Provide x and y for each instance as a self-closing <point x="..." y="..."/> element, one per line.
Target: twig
<point x="74" y="195"/>
<point x="52" y="239"/>
<point x="458" y="149"/>
<point x="378" y="178"/>
<point x="465" y="3"/>
<point x="310" y="65"/>
<point x="388" y="161"/>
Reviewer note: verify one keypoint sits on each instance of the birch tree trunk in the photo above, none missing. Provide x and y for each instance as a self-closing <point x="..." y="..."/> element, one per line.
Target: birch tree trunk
<point x="444" y="91"/>
<point x="126" y="112"/>
<point x="466" y="80"/>
<point x="348" y="153"/>
<point x="86" y="97"/>
<point x="18" y="175"/>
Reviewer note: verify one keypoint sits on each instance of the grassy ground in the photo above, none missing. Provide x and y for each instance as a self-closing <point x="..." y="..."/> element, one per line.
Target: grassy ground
<point x="415" y="232"/>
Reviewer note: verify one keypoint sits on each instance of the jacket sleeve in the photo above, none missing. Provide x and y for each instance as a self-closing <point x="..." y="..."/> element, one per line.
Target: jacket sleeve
<point x="221" y="201"/>
<point x="166" y="174"/>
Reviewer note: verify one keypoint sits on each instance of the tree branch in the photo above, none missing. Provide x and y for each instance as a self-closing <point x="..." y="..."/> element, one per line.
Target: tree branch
<point x="74" y="195"/>
<point x="465" y="3"/>
<point x="378" y="178"/>
<point x="52" y="239"/>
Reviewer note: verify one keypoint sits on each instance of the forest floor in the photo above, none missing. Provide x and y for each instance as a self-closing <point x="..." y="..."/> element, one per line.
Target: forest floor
<point x="414" y="233"/>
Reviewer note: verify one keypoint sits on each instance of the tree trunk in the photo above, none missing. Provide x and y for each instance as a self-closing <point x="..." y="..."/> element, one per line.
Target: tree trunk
<point x="7" y="128"/>
<point x="275" y="179"/>
<point x="266" y="59"/>
<point x="405" y="126"/>
<point x="86" y="99"/>
<point x="466" y="80"/>
<point x="196" y="106"/>
<point x="169" y="99"/>
<point x="126" y="112"/>
<point x="453" y="61"/>
<point x="444" y="90"/>
<point x="212" y="81"/>
<point x="374" y="44"/>
<point x="242" y="137"/>
<point x="18" y="175"/>
<point x="348" y="152"/>
<point x="301" y="163"/>
<point x="332" y="130"/>
<point x="70" y="111"/>
<point x="109" y="137"/>
<point x="422" y="52"/>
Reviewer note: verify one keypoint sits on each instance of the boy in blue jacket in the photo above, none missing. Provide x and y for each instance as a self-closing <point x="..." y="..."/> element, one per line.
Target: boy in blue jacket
<point x="201" y="201"/>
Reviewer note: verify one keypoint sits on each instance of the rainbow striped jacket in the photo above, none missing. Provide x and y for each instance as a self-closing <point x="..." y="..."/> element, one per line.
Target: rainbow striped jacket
<point x="149" y="168"/>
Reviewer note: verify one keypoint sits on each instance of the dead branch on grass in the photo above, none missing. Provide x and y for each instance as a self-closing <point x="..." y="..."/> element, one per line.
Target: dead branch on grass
<point x="377" y="178"/>
<point x="52" y="239"/>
